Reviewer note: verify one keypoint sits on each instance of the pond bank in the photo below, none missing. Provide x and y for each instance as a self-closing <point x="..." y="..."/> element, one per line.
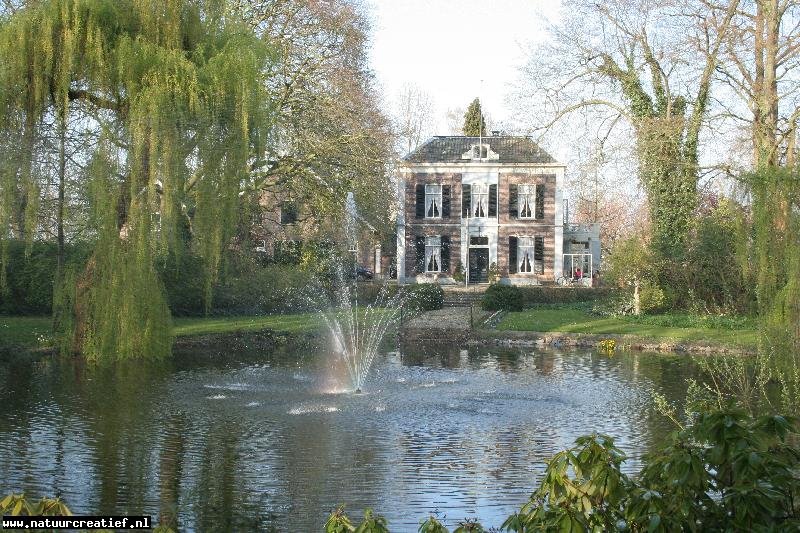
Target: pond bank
<point x="565" y="329"/>
<point x="32" y="335"/>
<point x="586" y="340"/>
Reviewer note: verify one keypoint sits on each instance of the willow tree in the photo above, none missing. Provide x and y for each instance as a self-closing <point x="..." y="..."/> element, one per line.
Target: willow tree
<point x="176" y="89"/>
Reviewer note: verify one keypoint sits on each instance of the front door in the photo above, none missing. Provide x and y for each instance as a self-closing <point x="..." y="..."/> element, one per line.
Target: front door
<point x="478" y="265"/>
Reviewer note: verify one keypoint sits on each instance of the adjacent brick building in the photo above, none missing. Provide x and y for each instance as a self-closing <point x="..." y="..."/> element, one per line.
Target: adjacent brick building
<point x="475" y="205"/>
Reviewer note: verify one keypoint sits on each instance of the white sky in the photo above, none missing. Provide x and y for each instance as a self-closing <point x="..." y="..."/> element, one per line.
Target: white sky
<point x="446" y="47"/>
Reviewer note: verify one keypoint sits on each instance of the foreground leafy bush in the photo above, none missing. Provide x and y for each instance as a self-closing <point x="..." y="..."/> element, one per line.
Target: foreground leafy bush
<point x="423" y="297"/>
<point x="339" y="522"/>
<point x="726" y="472"/>
<point x="19" y="505"/>
<point x="502" y="297"/>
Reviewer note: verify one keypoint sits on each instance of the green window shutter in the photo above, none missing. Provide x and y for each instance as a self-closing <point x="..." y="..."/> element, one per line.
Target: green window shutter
<point x="493" y="200"/>
<point x="445" y="254"/>
<point x="419" y="251"/>
<point x="512" y="255"/>
<point x="445" y="201"/>
<point x="540" y="201"/>
<point x="420" y="207"/>
<point x="513" y="201"/>
<point x="466" y="200"/>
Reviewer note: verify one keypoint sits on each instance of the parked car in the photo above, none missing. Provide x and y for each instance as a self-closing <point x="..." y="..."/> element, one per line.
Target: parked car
<point x="362" y="273"/>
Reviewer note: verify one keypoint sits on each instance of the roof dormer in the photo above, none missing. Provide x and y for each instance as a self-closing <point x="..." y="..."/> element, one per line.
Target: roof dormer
<point x="480" y="152"/>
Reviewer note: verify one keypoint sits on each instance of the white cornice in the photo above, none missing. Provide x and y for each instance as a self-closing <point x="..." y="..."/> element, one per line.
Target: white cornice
<point x="479" y="167"/>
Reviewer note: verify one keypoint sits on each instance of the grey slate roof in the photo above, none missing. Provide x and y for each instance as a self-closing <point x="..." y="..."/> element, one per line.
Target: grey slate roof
<point x="449" y="149"/>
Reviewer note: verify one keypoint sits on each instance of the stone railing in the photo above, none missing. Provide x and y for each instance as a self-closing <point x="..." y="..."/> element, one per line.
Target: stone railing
<point x="581" y="228"/>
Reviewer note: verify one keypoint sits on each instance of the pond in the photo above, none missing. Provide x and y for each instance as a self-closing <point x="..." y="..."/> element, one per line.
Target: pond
<point x="246" y="441"/>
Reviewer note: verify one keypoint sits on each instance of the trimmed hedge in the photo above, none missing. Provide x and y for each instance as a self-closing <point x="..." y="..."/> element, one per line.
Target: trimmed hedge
<point x="502" y="296"/>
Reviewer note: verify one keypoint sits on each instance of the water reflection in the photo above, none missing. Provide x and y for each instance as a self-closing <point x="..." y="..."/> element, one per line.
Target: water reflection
<point x="214" y="441"/>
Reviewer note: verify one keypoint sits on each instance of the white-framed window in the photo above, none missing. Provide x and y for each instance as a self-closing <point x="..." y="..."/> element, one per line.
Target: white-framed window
<point x="480" y="151"/>
<point x="530" y="255"/>
<point x="433" y="254"/>
<point x="433" y="201"/>
<point x="480" y="200"/>
<point x="526" y="198"/>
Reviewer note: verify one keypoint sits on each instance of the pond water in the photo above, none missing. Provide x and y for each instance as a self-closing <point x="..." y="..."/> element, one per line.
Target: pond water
<point x="246" y="441"/>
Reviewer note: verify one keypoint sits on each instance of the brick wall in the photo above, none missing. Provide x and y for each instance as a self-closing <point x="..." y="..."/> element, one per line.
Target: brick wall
<point x="508" y="226"/>
<point x="428" y="227"/>
<point x="507" y="180"/>
<point x="534" y="231"/>
<point x="429" y="230"/>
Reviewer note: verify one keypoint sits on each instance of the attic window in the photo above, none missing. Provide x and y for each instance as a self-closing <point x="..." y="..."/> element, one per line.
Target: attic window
<point x="480" y="151"/>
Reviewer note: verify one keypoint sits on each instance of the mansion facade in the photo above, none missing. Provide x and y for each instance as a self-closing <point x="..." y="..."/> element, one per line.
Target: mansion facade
<point x="485" y="207"/>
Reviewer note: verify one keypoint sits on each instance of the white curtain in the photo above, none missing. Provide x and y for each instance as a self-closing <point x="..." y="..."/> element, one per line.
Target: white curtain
<point x="433" y="254"/>
<point x="480" y="200"/>
<point x="525" y="247"/>
<point x="433" y="201"/>
<point x="527" y="200"/>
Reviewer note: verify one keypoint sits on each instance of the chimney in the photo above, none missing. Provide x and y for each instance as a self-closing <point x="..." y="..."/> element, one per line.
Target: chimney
<point x="495" y="133"/>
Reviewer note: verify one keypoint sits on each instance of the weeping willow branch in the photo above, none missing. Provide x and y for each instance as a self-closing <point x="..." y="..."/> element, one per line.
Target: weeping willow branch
<point x="177" y="94"/>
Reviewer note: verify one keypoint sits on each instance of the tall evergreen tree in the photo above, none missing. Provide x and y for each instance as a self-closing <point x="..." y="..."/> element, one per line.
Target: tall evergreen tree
<point x="474" y="122"/>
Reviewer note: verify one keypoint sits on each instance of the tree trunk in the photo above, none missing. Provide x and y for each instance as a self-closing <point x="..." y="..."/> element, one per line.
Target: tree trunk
<point x="62" y="168"/>
<point x="765" y="84"/>
<point x="637" y="306"/>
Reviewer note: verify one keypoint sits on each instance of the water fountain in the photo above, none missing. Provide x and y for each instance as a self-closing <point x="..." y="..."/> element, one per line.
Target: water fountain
<point x="357" y="330"/>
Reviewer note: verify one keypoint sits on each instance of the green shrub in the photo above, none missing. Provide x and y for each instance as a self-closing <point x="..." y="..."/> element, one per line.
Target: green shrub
<point x="652" y="298"/>
<point x="370" y="293"/>
<point x="503" y="297"/>
<point x="29" y="287"/>
<point x="494" y="274"/>
<point x="270" y="289"/>
<point x="183" y="278"/>
<point x="423" y="297"/>
<point x="458" y="273"/>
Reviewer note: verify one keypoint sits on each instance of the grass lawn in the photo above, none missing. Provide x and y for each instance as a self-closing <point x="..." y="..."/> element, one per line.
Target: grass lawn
<point x="29" y="331"/>
<point x="295" y="323"/>
<point x="32" y="332"/>
<point x="674" y="327"/>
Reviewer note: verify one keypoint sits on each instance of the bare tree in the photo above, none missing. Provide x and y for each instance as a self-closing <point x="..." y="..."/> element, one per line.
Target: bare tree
<point x="413" y="117"/>
<point x="634" y="63"/>
<point x="332" y="136"/>
<point x="454" y="118"/>
<point x="759" y="65"/>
